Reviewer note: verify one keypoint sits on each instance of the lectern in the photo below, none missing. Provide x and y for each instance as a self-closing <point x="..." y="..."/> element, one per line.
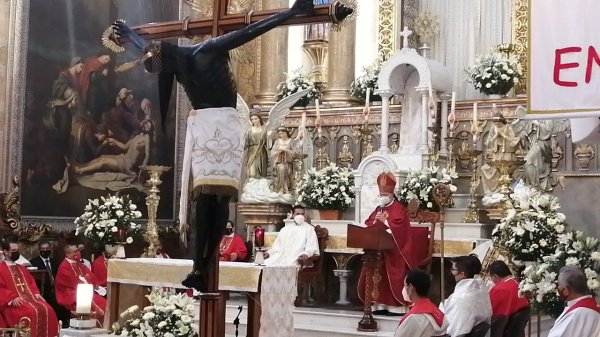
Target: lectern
<point x="373" y="240"/>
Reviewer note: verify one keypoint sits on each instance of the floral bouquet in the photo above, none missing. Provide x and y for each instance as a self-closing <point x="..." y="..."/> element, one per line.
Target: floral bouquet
<point x="495" y="73"/>
<point x="169" y="315"/>
<point x="295" y="83"/>
<point x="368" y="79"/>
<point x="419" y="185"/>
<point x="532" y="233"/>
<point x="331" y="188"/>
<point x="539" y="282"/>
<point x="109" y="220"/>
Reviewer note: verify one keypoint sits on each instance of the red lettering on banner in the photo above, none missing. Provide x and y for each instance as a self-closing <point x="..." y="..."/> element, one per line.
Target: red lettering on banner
<point x="592" y="55"/>
<point x="558" y="65"/>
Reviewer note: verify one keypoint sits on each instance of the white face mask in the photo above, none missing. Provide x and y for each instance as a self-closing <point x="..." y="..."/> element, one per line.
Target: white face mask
<point x="384" y="201"/>
<point x="299" y="219"/>
<point x="405" y="295"/>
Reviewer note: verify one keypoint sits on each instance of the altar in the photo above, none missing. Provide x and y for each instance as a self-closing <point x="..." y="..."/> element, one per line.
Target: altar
<point x="270" y="290"/>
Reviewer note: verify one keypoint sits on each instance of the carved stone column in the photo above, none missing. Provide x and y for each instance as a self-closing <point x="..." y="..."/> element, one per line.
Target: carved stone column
<point x="424" y="119"/>
<point x="340" y="66"/>
<point x="273" y="56"/>
<point x="386" y="95"/>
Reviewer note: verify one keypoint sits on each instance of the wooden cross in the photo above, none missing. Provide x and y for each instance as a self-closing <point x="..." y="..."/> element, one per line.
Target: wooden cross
<point x="20" y="284"/>
<point x="405" y="33"/>
<point x="223" y="22"/>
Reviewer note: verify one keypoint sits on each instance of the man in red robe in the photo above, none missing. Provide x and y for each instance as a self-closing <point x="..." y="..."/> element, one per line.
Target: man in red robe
<point x="20" y="296"/>
<point x="232" y="247"/>
<point x="71" y="272"/>
<point x="391" y="215"/>
<point x="505" y="293"/>
<point x="100" y="265"/>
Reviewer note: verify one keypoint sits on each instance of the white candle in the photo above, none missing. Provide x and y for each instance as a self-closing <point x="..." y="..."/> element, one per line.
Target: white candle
<point x="430" y="91"/>
<point x="318" y="110"/>
<point x="475" y="128"/>
<point x="475" y="112"/>
<point x="494" y="108"/>
<point x="368" y="99"/>
<point x="83" y="300"/>
<point x="303" y="121"/>
<point x="453" y="102"/>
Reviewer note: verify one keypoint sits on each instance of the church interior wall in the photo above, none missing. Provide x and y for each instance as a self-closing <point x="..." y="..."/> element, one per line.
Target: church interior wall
<point x="578" y="201"/>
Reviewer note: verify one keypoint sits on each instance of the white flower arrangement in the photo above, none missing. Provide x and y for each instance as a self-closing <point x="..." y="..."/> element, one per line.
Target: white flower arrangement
<point x="533" y="232"/>
<point x="169" y="315"/>
<point x="539" y="282"/>
<point x="368" y="79"/>
<point x="419" y="185"/>
<point x="297" y="82"/>
<point x="109" y="220"/>
<point x="495" y="73"/>
<point x="331" y="188"/>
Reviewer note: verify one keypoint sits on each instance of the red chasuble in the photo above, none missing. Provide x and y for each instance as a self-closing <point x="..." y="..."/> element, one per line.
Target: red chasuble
<point x="425" y="306"/>
<point x="230" y="245"/>
<point x="16" y="281"/>
<point x="396" y="261"/>
<point x="99" y="269"/>
<point x="505" y="298"/>
<point x="67" y="279"/>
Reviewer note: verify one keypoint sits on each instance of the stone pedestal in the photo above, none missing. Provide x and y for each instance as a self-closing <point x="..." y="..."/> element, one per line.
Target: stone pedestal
<point x="343" y="274"/>
<point x="83" y="332"/>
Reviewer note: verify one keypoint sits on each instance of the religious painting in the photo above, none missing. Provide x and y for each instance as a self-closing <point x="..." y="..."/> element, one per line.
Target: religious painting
<point x="90" y="117"/>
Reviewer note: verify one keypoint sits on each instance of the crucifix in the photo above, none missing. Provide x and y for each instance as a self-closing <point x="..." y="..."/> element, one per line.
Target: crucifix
<point x="204" y="72"/>
<point x="405" y="33"/>
<point x="20" y="284"/>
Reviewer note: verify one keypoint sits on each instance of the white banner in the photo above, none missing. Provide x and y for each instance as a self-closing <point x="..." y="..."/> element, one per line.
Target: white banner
<point x="564" y="58"/>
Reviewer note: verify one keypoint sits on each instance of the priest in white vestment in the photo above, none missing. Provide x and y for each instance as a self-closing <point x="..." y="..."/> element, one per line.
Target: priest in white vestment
<point x="470" y="303"/>
<point x="294" y="243"/>
<point x="424" y="319"/>
<point x="581" y="317"/>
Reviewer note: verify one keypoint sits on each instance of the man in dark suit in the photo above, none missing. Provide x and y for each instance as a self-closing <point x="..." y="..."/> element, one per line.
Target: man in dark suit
<point x="44" y="261"/>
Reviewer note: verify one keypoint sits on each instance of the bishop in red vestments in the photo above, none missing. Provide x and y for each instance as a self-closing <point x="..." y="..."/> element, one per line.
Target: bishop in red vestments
<point x="71" y="272"/>
<point x="232" y="247"/>
<point x="20" y="296"/>
<point x="505" y="293"/>
<point x="391" y="215"/>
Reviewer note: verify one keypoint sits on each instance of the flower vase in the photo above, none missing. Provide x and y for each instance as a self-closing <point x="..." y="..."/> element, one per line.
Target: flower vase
<point x="330" y="214"/>
<point x="120" y="251"/>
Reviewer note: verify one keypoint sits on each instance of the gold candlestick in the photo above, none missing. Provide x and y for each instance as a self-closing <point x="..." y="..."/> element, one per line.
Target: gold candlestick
<point x="152" y="200"/>
<point x="471" y="155"/>
<point x="507" y="169"/>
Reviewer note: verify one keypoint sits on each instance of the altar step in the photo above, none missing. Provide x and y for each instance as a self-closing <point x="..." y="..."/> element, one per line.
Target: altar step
<point x="329" y="322"/>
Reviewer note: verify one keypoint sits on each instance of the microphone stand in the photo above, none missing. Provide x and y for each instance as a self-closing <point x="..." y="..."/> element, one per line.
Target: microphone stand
<point x="236" y="321"/>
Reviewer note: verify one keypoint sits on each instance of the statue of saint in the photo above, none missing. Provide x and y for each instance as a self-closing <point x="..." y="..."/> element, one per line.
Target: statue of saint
<point x="255" y="145"/>
<point x="501" y="144"/>
<point x="283" y="162"/>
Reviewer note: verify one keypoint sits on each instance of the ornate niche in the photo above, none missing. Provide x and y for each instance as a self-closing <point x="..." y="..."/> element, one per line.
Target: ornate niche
<point x="10" y="218"/>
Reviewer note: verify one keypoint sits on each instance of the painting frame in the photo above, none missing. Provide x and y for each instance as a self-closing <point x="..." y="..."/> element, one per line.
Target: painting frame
<point x="16" y="101"/>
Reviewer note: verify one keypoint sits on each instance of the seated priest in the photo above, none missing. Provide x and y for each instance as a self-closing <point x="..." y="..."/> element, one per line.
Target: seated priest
<point x="232" y="247"/>
<point x="424" y="319"/>
<point x="100" y="264"/>
<point x="470" y="303"/>
<point x="581" y="317"/>
<point x="81" y="248"/>
<point x="72" y="272"/>
<point x="20" y="296"/>
<point x="504" y="296"/>
<point x="159" y="252"/>
<point x="45" y="261"/>
<point x="295" y="243"/>
<point x="391" y="215"/>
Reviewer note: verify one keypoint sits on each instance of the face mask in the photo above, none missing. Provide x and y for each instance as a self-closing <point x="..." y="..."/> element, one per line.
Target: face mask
<point x="14" y="256"/>
<point x="405" y="295"/>
<point x="228" y="231"/>
<point x="384" y="201"/>
<point x="77" y="256"/>
<point x="45" y="254"/>
<point x="299" y="219"/>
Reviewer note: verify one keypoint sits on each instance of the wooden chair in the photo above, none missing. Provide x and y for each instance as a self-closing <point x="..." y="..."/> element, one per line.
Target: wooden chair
<point x="517" y="323"/>
<point x="316" y="273"/>
<point x="418" y="233"/>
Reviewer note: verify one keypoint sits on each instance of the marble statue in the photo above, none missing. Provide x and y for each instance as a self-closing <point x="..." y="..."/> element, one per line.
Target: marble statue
<point x="255" y="145"/>
<point x="283" y="162"/>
